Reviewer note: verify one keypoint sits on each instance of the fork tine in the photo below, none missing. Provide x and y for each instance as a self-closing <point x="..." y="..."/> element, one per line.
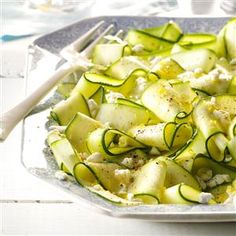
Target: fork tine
<point x="78" y="44"/>
<point x="119" y="34"/>
<point x="87" y="51"/>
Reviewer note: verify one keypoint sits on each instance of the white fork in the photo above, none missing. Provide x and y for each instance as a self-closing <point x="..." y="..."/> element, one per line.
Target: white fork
<point x="75" y="60"/>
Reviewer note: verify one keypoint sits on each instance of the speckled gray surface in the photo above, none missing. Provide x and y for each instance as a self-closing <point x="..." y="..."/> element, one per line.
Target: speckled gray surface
<point x="55" y="41"/>
<point x="38" y="160"/>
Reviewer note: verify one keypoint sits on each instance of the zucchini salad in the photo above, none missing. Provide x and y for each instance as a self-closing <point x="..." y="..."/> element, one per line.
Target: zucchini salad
<point x="153" y="120"/>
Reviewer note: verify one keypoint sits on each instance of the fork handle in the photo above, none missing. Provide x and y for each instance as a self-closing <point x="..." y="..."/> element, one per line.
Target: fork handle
<point x="12" y="117"/>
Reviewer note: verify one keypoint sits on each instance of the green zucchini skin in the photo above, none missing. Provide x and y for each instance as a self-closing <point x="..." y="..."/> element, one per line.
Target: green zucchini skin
<point x="152" y="113"/>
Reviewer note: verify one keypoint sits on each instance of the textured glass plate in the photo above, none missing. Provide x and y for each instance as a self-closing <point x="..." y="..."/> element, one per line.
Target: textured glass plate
<point x="36" y="158"/>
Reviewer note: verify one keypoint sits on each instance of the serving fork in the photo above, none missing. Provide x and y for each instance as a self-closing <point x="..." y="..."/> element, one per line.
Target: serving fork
<point x="76" y="57"/>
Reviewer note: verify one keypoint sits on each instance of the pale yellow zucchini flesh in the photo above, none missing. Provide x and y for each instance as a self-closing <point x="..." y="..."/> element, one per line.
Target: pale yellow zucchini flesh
<point x="153" y="121"/>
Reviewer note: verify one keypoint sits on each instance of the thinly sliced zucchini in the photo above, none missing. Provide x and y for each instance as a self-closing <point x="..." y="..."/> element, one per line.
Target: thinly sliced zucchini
<point x="126" y="66"/>
<point x="112" y="84"/>
<point x="86" y="176"/>
<point x="65" y="110"/>
<point x="232" y="129"/>
<point x="159" y="136"/>
<point x="99" y="96"/>
<point x="196" y="58"/>
<point x="169" y="31"/>
<point x="112" y="142"/>
<point x="149" y="182"/>
<point x="78" y="129"/>
<point x="122" y="117"/>
<point x="216" y="146"/>
<point x="184" y="117"/>
<point x="194" y="39"/>
<point x="152" y="117"/>
<point x="230" y="38"/>
<point x="156" y="31"/>
<point x="85" y="87"/>
<point x="182" y="194"/>
<point x="108" y="196"/>
<point x="202" y="161"/>
<point x="167" y="69"/>
<point x="53" y="136"/>
<point x="172" y="32"/>
<point x="203" y="115"/>
<point x="131" y="160"/>
<point x="164" y="101"/>
<point x="187" y="153"/>
<point x="211" y="129"/>
<point x="226" y="102"/>
<point x="151" y="135"/>
<point x="149" y="42"/>
<point x="65" y="88"/>
<point x="220" y="44"/>
<point x="164" y="136"/>
<point x="179" y="135"/>
<point x="106" y="54"/>
<point x="158" y="53"/>
<point x="178" y="48"/>
<point x="105" y="174"/>
<point x="232" y="86"/>
<point x="175" y="174"/>
<point x="65" y="154"/>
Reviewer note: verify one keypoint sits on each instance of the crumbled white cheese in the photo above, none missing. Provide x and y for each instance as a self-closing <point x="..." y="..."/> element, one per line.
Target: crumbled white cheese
<point x="95" y="157"/>
<point x="155" y="60"/>
<point x="205" y="174"/>
<point x="122" y="172"/>
<point x="154" y="151"/>
<point x="130" y="196"/>
<point x="141" y="84"/>
<point x="111" y="97"/>
<point x="93" y="107"/>
<point x="114" y="38"/>
<point x="97" y="187"/>
<point x="186" y="76"/>
<point x="138" y="48"/>
<point x="205" y="197"/>
<point x="61" y="175"/>
<point x="201" y="182"/>
<point x="212" y="101"/>
<point x="217" y="180"/>
<point x="225" y="76"/>
<point x="214" y="82"/>
<point x="139" y="163"/>
<point x="214" y="73"/>
<point x="128" y="161"/>
<point x="61" y="129"/>
<point x="198" y="70"/>
<point x="222" y="116"/>
<point x="228" y="158"/>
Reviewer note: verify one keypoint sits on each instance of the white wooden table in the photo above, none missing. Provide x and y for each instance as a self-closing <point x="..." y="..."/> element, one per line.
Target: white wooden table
<point x="31" y="207"/>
